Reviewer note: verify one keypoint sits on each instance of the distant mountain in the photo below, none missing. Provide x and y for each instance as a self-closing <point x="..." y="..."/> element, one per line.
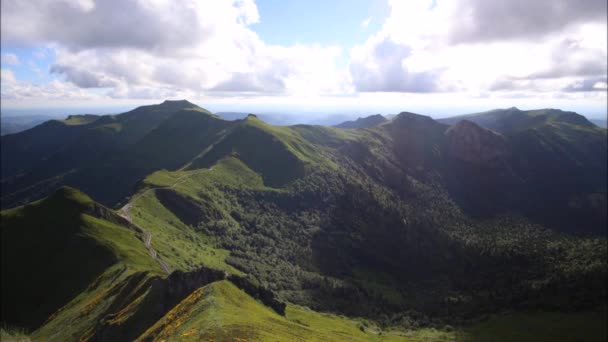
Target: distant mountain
<point x="273" y="118"/>
<point x="15" y="124"/>
<point x="367" y="122"/>
<point x="512" y="119"/>
<point x="600" y="122"/>
<point x="85" y="151"/>
<point x="411" y="222"/>
<point x="230" y="116"/>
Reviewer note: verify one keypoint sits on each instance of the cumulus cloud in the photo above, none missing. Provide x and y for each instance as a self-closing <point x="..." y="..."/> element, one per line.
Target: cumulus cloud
<point x="145" y="24"/>
<point x="190" y="49"/>
<point x="381" y="66"/>
<point x="13" y="89"/>
<point x="133" y="46"/>
<point x="586" y="85"/>
<point x="415" y="51"/>
<point x="365" y="23"/>
<point x="483" y="21"/>
<point x="7" y="77"/>
<point x="570" y="58"/>
<point x="10" y="59"/>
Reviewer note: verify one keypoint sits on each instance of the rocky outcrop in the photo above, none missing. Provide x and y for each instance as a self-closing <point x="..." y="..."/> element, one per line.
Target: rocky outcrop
<point x="470" y="142"/>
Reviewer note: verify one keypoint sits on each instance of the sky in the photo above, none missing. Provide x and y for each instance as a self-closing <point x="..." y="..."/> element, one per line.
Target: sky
<point x="436" y="57"/>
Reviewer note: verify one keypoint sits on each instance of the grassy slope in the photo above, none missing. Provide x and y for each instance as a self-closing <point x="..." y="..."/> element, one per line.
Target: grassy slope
<point x="56" y="257"/>
<point x="179" y="245"/>
<point x="222" y="312"/>
<point x="279" y="154"/>
<point x="86" y="152"/>
<point x="254" y="221"/>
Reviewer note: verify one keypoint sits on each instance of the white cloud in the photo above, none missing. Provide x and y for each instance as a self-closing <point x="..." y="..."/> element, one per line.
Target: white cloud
<point x="13" y="89"/>
<point x="165" y="49"/>
<point x="601" y="85"/>
<point x="10" y="59"/>
<point x="414" y="51"/>
<point x="7" y="77"/>
<point x="131" y="47"/>
<point x="365" y="23"/>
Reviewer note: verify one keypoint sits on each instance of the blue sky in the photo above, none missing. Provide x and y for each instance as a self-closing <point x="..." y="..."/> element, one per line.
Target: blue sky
<point x="321" y="22"/>
<point x="34" y="63"/>
<point x="303" y="56"/>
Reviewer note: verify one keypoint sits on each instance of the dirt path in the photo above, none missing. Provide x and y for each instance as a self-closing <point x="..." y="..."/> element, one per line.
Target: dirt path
<point x="147" y="236"/>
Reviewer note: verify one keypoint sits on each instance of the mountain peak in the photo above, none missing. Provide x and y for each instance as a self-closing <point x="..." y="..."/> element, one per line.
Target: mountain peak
<point x="407" y="117"/>
<point x="178" y="103"/>
<point x="366" y="122"/>
<point x="470" y="142"/>
<point x="71" y="195"/>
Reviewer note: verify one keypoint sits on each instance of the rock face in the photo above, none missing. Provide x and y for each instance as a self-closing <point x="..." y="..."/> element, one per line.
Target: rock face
<point x="469" y="142"/>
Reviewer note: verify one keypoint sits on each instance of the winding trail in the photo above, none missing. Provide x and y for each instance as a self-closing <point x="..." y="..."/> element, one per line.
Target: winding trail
<point x="147" y="236"/>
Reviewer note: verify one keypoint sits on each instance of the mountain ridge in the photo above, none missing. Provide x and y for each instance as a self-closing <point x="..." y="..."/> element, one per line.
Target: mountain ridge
<point x="409" y="223"/>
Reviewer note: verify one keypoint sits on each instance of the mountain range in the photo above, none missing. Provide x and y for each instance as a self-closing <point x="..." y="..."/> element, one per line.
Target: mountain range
<point x="170" y="222"/>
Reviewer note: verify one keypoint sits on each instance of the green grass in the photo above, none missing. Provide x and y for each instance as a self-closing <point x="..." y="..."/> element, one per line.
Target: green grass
<point x="76" y="120"/>
<point x="178" y="244"/>
<point x="222" y="312"/>
<point x="8" y="334"/>
<point x="53" y="249"/>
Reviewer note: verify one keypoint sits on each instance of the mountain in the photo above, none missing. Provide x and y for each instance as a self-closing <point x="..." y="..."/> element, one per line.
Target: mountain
<point x="367" y="122"/>
<point x="549" y="150"/>
<point x="409" y="224"/>
<point x="600" y="122"/>
<point x="78" y="240"/>
<point x="16" y="124"/>
<point x="512" y="119"/>
<point x="85" y="152"/>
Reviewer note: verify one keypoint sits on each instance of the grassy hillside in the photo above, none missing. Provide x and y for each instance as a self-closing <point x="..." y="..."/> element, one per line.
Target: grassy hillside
<point x="333" y="238"/>
<point x="220" y="311"/>
<point x="387" y="224"/>
<point x="53" y="249"/>
<point x="87" y="151"/>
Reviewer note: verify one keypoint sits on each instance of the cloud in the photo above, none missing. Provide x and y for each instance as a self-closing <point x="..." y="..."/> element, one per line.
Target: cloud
<point x="587" y="85"/>
<point x="415" y="52"/>
<point x="381" y="66"/>
<point x="82" y="78"/>
<point x="147" y="24"/>
<point x="10" y="59"/>
<point x="484" y="21"/>
<point x="152" y="49"/>
<point x="570" y="58"/>
<point x="188" y="46"/>
<point x="14" y="89"/>
<point x="7" y="77"/>
<point x="365" y="23"/>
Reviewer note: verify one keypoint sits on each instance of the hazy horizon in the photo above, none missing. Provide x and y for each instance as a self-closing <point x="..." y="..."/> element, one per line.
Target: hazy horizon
<point x="288" y="114"/>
